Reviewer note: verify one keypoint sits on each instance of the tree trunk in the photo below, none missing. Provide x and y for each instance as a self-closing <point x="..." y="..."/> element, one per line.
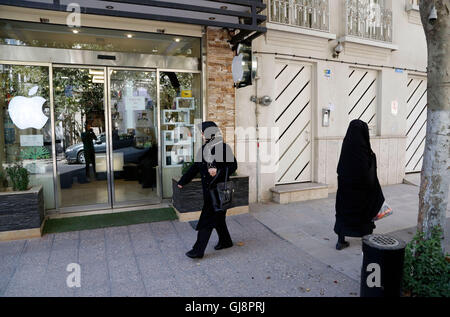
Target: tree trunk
<point x="434" y="186"/>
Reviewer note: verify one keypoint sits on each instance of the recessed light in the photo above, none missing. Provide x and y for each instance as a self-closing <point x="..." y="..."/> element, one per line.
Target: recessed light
<point x="109" y="7"/>
<point x="212" y="18"/>
<point x="95" y="72"/>
<point x="98" y="79"/>
<point x="224" y="7"/>
<point x="75" y="31"/>
<point x="155" y="50"/>
<point x="177" y="40"/>
<point x="129" y="36"/>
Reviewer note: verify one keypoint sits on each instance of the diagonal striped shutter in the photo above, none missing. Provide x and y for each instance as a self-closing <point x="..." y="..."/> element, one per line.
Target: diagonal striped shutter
<point x="293" y="118"/>
<point x="416" y="119"/>
<point x="363" y="96"/>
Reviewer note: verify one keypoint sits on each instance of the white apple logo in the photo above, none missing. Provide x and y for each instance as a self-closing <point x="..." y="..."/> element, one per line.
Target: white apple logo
<point x="27" y="112"/>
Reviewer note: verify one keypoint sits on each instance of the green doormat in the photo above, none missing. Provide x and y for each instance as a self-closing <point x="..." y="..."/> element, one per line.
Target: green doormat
<point x="108" y="220"/>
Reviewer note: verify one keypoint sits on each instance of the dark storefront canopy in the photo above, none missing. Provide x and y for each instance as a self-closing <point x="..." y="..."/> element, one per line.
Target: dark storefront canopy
<point x="242" y="16"/>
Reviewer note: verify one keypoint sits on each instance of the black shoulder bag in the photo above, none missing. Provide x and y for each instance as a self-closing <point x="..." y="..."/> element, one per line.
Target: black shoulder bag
<point x="222" y="194"/>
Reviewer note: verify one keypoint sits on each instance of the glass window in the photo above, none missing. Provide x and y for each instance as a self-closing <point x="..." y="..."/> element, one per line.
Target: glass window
<point x="25" y="125"/>
<point x="180" y="95"/>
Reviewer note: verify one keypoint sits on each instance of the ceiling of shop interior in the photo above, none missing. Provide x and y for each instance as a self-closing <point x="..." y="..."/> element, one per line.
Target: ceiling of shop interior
<point x="59" y="36"/>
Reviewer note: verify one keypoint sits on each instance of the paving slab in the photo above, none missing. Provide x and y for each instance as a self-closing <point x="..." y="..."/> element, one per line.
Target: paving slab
<point x="279" y="250"/>
<point x="149" y="260"/>
<point x="310" y="226"/>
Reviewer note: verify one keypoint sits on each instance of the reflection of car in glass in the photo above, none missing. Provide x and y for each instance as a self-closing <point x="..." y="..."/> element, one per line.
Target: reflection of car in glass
<point x="132" y="154"/>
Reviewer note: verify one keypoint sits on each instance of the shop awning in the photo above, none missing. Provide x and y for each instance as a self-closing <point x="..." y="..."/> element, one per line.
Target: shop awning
<point x="242" y="16"/>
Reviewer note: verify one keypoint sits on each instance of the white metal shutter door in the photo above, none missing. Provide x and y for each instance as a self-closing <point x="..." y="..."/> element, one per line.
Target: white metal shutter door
<point x="293" y="118"/>
<point x="363" y="96"/>
<point x="416" y="120"/>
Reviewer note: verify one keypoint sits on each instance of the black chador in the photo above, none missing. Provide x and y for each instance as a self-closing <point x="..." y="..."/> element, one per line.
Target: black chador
<point x="359" y="196"/>
<point x="215" y="154"/>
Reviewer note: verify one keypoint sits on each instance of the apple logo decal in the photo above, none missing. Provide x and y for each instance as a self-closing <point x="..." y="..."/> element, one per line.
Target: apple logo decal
<point x="27" y="112"/>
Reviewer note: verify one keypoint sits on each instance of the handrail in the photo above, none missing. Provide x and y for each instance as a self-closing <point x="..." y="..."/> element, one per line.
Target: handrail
<point x="369" y="19"/>
<point x="311" y="14"/>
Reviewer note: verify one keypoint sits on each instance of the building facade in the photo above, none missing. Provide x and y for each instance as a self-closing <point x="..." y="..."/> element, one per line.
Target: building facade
<point x="323" y="64"/>
<point x="100" y="102"/>
<point x="139" y="78"/>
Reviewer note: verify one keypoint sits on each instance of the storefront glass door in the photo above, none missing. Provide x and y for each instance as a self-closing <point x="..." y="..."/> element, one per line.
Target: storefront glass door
<point x="134" y="136"/>
<point x="113" y="113"/>
<point x="90" y="135"/>
<point x="106" y="136"/>
<point x="80" y="136"/>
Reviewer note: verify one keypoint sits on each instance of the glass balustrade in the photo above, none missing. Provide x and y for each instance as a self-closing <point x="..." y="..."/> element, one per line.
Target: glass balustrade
<point x="370" y="19"/>
<point x="312" y="14"/>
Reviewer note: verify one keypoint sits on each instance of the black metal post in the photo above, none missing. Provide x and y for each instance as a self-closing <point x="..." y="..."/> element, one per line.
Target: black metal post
<point x="382" y="267"/>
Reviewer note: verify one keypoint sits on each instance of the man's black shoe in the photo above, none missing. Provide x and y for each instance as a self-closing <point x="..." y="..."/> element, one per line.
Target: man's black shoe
<point x="220" y="246"/>
<point x="194" y="255"/>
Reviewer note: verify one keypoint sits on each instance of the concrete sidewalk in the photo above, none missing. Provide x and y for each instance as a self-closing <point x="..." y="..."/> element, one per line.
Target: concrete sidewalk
<point x="309" y="226"/>
<point x="280" y="250"/>
<point x="149" y="260"/>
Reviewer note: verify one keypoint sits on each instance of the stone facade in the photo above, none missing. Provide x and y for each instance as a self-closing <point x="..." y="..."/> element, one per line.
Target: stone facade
<point x="220" y="89"/>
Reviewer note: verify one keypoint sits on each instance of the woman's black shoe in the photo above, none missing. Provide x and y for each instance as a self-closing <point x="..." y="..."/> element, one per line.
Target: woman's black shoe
<point x="194" y="255"/>
<point x="220" y="246"/>
<point x="342" y="245"/>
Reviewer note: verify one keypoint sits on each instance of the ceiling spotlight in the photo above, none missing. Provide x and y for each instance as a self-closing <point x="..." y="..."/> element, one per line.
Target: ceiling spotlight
<point x="212" y="18"/>
<point x="109" y="7"/>
<point x="95" y="72"/>
<point x="177" y="40"/>
<point x="224" y="7"/>
<point x="75" y="31"/>
<point x="98" y="79"/>
<point x="155" y="50"/>
<point x="129" y="36"/>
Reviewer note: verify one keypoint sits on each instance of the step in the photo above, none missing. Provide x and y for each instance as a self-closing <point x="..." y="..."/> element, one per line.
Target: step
<point x="412" y="179"/>
<point x="285" y="194"/>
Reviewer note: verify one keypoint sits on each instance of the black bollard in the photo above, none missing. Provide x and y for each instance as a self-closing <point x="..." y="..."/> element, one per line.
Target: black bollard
<point x="382" y="267"/>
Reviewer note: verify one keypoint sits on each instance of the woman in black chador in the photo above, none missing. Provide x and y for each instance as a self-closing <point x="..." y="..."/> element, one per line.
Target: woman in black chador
<point x="215" y="157"/>
<point x="359" y="196"/>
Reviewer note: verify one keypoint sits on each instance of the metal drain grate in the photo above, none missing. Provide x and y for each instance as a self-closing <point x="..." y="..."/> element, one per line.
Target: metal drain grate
<point x="383" y="241"/>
